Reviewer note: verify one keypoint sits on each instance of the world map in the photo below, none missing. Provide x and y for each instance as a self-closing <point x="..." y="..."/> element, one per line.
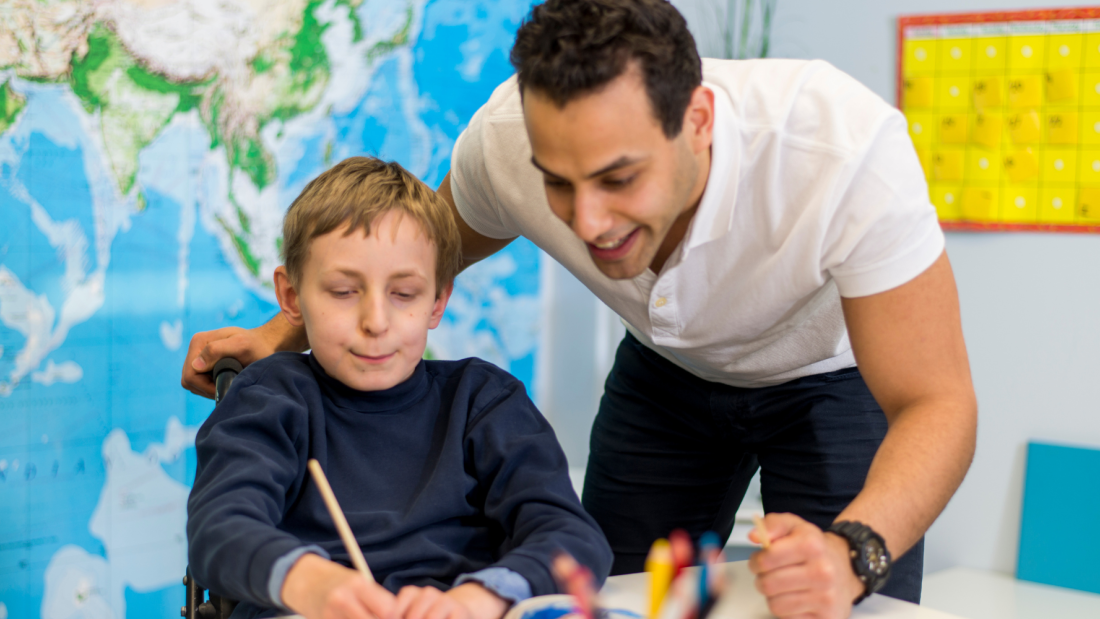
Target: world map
<point x="148" y="152"/>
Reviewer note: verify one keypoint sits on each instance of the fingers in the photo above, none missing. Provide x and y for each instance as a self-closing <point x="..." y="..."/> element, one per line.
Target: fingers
<point x="205" y="349"/>
<point x="198" y="384"/>
<point x="375" y="599"/>
<point x="444" y="608"/>
<point x="232" y="342"/>
<point x="800" y="574"/>
<point x="193" y="377"/>
<point x="346" y="602"/>
<point x="819" y="604"/>
<point x="781" y="525"/>
<point x="800" y="541"/>
<point x="423" y="603"/>
<point x="405" y="597"/>
<point x="795" y="579"/>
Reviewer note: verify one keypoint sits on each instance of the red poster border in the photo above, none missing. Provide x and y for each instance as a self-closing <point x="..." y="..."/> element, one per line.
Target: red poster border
<point x="939" y="19"/>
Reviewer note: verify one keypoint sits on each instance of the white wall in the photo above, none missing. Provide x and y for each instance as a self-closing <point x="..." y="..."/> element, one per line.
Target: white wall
<point x="1030" y="302"/>
<point x="577" y="347"/>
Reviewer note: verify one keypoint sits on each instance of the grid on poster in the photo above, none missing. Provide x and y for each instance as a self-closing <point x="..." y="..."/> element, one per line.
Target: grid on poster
<point x="1004" y="113"/>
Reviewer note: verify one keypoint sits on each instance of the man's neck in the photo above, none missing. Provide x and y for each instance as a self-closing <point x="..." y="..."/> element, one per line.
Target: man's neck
<point x="679" y="228"/>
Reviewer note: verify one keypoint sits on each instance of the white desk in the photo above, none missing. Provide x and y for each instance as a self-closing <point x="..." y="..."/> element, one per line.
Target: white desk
<point x="743" y="601"/>
<point x="977" y="594"/>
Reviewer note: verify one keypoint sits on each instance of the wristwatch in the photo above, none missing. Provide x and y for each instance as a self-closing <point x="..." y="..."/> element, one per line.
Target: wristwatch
<point x="870" y="558"/>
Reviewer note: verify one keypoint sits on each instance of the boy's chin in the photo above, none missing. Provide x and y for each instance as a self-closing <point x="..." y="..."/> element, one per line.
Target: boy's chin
<point x="376" y="379"/>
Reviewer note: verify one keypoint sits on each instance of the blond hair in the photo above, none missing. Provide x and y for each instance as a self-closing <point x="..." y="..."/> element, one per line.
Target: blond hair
<point x="355" y="192"/>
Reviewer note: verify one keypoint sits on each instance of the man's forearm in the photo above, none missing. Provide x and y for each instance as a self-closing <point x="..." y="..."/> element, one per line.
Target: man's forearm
<point x="284" y="336"/>
<point x="917" y="469"/>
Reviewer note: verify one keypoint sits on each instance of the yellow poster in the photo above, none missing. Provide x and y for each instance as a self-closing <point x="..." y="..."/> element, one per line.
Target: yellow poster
<point x="1004" y="113"/>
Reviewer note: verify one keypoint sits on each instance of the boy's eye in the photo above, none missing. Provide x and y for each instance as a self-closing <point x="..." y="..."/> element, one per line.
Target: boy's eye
<point x="341" y="293"/>
<point x="404" y="296"/>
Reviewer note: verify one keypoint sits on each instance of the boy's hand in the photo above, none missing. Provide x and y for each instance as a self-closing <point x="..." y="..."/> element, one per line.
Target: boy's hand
<point x="466" y="601"/>
<point x="320" y="589"/>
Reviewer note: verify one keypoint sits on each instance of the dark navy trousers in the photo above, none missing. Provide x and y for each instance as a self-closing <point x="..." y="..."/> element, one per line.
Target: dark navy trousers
<point x="671" y="450"/>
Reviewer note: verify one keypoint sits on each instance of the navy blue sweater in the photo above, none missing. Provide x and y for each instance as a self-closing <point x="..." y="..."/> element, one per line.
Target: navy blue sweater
<point x="452" y="471"/>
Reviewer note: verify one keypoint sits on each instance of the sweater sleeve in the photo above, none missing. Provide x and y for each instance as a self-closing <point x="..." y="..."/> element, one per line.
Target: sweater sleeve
<point x="249" y="463"/>
<point x="524" y="480"/>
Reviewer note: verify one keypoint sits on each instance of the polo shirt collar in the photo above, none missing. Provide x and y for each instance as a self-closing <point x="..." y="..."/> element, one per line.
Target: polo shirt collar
<point x="714" y="217"/>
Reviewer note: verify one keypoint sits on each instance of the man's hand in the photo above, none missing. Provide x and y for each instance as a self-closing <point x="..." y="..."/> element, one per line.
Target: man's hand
<point x="466" y="601"/>
<point x="317" y="588"/>
<point x="805" y="573"/>
<point x="244" y="345"/>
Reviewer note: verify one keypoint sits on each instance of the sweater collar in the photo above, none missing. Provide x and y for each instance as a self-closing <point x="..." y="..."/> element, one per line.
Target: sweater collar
<point x="394" y="399"/>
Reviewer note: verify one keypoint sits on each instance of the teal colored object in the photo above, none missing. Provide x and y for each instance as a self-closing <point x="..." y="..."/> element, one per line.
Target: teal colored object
<point x="1060" y="528"/>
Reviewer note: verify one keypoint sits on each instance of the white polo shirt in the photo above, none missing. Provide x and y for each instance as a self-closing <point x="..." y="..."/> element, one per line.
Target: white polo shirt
<point x="815" y="191"/>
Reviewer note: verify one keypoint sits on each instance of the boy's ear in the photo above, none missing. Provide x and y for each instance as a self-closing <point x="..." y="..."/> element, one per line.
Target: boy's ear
<point x="288" y="297"/>
<point x="441" y="305"/>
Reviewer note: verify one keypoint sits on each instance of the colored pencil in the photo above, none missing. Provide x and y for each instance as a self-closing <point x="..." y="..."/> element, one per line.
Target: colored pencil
<point x="710" y="554"/>
<point x="661" y="569"/>
<point x="682" y="552"/>
<point x="577" y="581"/>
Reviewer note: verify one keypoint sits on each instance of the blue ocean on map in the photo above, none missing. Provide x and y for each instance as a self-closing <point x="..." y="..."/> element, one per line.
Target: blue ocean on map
<point x="113" y="253"/>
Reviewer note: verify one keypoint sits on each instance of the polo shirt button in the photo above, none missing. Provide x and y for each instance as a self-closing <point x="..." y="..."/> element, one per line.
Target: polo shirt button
<point x="661" y="302"/>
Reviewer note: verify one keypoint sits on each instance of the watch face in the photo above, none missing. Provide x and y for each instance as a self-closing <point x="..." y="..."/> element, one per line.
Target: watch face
<point x="875" y="557"/>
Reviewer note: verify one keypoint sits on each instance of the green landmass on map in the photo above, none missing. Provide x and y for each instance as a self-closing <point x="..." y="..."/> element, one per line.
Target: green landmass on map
<point x="240" y="240"/>
<point x="107" y="75"/>
<point x="11" y="104"/>
<point x="135" y="105"/>
<point x="299" y="70"/>
<point x="382" y="48"/>
<point x="285" y="78"/>
<point x="356" y="25"/>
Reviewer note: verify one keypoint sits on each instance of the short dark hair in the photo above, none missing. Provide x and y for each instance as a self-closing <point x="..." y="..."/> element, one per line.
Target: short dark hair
<point x="568" y="48"/>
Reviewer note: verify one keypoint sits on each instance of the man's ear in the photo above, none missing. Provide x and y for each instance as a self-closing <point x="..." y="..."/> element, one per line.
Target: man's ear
<point x="699" y="119"/>
<point x="440" y="305"/>
<point x="288" y="297"/>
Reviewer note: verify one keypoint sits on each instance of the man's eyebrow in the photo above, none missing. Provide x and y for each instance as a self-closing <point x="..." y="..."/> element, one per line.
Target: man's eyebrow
<point x="538" y="165"/>
<point x="621" y="162"/>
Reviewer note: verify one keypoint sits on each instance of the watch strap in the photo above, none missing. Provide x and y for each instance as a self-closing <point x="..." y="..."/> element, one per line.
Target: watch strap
<point x="858" y="534"/>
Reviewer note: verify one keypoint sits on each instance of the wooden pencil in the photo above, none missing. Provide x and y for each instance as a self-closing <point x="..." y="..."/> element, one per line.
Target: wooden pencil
<point x="761" y="531"/>
<point x="356" y="553"/>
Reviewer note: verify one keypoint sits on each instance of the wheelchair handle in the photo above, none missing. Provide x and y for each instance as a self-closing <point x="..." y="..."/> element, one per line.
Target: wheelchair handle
<point x="225" y="370"/>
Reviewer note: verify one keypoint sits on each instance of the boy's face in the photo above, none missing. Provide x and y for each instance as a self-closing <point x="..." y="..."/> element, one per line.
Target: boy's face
<point x="367" y="302"/>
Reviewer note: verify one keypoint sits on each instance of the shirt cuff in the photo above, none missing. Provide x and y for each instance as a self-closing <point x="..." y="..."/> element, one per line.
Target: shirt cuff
<point x="283" y="565"/>
<point x="501" y="581"/>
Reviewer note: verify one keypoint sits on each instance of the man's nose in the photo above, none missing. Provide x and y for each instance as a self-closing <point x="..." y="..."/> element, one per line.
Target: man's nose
<point x="590" y="215"/>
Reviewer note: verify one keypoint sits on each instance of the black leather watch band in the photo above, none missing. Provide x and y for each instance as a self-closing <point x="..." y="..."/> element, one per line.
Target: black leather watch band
<point x="871" y="560"/>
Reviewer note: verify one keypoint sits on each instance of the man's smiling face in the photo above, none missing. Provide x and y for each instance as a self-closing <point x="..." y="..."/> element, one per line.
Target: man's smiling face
<point x="614" y="177"/>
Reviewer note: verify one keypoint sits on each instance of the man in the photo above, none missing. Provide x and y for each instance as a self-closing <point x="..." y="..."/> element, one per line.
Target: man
<point x="760" y="226"/>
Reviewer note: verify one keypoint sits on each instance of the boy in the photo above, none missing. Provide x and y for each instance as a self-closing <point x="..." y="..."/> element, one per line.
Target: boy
<point x="449" y="477"/>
